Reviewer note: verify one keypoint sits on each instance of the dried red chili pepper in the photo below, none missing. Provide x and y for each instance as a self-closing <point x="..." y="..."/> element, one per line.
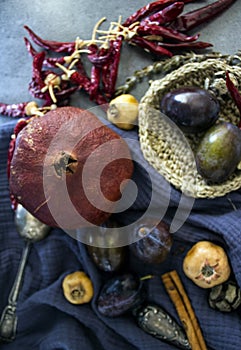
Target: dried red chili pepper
<point x="101" y="100"/>
<point x="152" y="47"/>
<point x="235" y="94"/>
<point x="47" y="85"/>
<point x="103" y="64"/>
<point x="18" y="127"/>
<point x="84" y="82"/>
<point x="81" y="80"/>
<point x="37" y="68"/>
<point x="100" y="58"/>
<point x="15" y="110"/>
<point x="110" y="70"/>
<point x="105" y="78"/>
<point x="94" y="82"/>
<point x="194" y="18"/>
<point x="80" y="68"/>
<point x="51" y="61"/>
<point x="51" y="45"/>
<point x="37" y="82"/>
<point x="165" y="32"/>
<point x="187" y="45"/>
<point x="63" y="96"/>
<point x="29" y="47"/>
<point x="78" y="77"/>
<point x="48" y="62"/>
<point x="166" y="15"/>
<point x="148" y="10"/>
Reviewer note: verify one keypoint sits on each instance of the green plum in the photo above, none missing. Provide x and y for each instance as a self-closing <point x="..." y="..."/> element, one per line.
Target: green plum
<point x="219" y="152"/>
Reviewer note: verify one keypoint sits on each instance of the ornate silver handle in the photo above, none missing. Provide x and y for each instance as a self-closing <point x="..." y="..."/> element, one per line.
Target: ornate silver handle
<point x="8" y="322"/>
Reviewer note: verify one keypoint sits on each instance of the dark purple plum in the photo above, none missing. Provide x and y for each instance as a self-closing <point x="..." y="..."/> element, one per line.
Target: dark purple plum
<point x="154" y="244"/>
<point x="120" y="294"/>
<point x="193" y="109"/>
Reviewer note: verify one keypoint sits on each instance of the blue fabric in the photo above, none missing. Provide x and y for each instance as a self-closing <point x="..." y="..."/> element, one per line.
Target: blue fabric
<point x="46" y="321"/>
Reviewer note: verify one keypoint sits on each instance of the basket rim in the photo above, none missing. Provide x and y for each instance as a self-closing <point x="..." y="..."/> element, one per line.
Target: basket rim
<point x="200" y="189"/>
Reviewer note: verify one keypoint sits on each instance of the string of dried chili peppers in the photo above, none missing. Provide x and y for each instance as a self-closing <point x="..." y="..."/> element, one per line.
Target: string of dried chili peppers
<point x="159" y="27"/>
<point x="14" y="110"/>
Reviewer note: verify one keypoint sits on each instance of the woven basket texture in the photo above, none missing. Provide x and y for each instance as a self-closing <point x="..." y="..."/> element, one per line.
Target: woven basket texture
<point x="166" y="147"/>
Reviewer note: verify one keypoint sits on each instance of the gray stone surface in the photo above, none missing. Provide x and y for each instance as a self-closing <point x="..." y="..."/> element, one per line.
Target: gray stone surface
<point x="65" y="20"/>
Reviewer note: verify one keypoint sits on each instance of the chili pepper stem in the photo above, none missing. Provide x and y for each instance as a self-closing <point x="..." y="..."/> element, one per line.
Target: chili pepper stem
<point x="68" y="72"/>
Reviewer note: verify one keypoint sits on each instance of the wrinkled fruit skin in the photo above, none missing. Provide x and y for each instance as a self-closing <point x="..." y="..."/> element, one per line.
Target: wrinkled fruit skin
<point x="50" y="156"/>
<point x="119" y="295"/>
<point x="193" y="109"/>
<point x="206" y="264"/>
<point x="155" y="246"/>
<point x="219" y="152"/>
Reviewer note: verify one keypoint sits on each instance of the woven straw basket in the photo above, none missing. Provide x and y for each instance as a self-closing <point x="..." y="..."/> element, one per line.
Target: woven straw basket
<point x="166" y="148"/>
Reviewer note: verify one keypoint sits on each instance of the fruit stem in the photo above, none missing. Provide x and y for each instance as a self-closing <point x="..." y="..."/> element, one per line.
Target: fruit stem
<point x="78" y="293"/>
<point x="65" y="163"/>
<point x="147" y="277"/>
<point x="207" y="270"/>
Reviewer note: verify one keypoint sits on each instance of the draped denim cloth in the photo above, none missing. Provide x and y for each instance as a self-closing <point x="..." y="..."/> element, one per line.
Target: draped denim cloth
<point x="46" y="320"/>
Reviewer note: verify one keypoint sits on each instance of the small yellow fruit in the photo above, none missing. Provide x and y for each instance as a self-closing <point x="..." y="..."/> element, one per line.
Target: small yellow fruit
<point x="123" y="111"/>
<point x="78" y="288"/>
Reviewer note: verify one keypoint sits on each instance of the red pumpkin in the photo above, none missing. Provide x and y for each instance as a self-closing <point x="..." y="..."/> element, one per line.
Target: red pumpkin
<point x="68" y="168"/>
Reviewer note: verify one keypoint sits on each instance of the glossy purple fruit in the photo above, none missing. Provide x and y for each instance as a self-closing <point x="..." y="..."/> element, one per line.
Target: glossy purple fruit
<point x="154" y="244"/>
<point x="120" y="294"/>
<point x="193" y="109"/>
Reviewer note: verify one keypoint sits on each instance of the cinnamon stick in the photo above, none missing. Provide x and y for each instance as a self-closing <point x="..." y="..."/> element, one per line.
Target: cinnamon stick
<point x="178" y="295"/>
